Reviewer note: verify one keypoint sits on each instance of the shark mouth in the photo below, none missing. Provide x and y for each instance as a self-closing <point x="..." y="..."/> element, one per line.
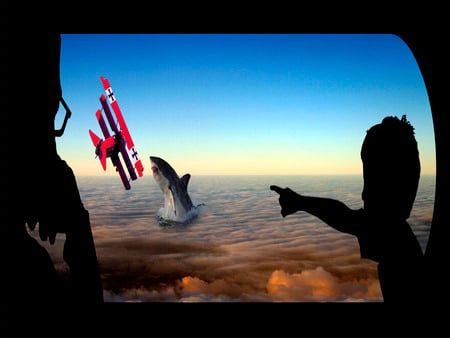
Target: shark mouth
<point x="178" y="206"/>
<point x="156" y="173"/>
<point x="172" y="200"/>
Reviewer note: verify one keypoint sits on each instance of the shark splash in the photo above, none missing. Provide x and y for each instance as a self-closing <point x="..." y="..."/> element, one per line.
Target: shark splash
<point x="178" y="206"/>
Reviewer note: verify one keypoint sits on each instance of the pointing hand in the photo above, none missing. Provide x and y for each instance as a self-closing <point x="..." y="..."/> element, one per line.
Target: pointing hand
<point x="289" y="200"/>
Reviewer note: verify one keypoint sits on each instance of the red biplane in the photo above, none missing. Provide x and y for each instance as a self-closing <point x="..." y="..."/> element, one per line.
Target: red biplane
<point x="120" y="142"/>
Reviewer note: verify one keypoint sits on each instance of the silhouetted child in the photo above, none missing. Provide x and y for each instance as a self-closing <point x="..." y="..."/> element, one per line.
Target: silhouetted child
<point x="391" y="171"/>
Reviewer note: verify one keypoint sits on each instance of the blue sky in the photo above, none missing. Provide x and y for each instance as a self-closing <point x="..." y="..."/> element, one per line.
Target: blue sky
<point x="242" y="103"/>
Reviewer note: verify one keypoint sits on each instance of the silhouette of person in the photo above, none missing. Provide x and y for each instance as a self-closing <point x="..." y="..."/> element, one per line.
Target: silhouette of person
<point x="391" y="171"/>
<point x="38" y="187"/>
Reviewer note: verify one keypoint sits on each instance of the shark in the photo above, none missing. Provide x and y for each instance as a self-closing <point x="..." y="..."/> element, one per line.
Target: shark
<point x="176" y="197"/>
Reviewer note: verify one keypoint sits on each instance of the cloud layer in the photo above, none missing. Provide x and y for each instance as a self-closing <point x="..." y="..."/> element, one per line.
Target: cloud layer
<point x="238" y="249"/>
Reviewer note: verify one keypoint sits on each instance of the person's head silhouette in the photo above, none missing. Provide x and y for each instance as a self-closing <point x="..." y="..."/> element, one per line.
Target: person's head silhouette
<point x="391" y="169"/>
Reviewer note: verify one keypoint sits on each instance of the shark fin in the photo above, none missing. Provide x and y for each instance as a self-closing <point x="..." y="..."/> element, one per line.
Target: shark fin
<point x="185" y="180"/>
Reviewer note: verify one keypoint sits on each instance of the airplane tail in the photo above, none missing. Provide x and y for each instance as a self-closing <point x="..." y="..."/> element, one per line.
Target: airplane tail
<point x="95" y="139"/>
<point x="101" y="147"/>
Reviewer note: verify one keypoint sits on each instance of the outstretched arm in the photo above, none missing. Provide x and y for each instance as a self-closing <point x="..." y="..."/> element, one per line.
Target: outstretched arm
<point x="333" y="212"/>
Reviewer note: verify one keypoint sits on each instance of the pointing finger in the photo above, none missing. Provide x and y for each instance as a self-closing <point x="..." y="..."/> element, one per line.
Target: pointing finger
<point x="276" y="188"/>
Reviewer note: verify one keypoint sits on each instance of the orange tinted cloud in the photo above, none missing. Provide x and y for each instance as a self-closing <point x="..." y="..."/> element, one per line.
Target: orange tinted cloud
<point x="192" y="286"/>
<point x="319" y="285"/>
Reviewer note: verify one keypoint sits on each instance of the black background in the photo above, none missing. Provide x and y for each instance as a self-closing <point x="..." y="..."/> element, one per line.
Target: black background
<point x="423" y="28"/>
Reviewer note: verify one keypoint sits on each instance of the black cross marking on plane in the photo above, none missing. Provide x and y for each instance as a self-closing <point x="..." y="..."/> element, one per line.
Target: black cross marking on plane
<point x="111" y="95"/>
<point x="134" y="154"/>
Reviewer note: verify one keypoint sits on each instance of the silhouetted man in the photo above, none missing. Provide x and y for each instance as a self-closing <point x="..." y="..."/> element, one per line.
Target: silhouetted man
<point x="391" y="171"/>
<point x="38" y="187"/>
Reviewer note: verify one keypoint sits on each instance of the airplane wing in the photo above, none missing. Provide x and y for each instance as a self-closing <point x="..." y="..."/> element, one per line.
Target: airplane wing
<point x="102" y="148"/>
<point x="122" y="147"/>
<point x="123" y="127"/>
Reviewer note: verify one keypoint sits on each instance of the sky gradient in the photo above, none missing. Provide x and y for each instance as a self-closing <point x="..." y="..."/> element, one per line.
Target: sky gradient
<point x="231" y="104"/>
